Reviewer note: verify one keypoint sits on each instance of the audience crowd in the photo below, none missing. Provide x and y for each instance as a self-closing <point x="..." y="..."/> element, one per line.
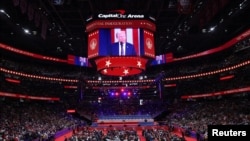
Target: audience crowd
<point x="27" y="120"/>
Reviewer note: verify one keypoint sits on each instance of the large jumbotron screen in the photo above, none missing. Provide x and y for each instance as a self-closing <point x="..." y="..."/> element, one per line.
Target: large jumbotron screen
<point x="109" y="41"/>
<point x="120" y="44"/>
<point x="105" y="42"/>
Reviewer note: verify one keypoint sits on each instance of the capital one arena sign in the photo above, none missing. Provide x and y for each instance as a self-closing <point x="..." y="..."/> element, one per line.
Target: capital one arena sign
<point x="125" y="16"/>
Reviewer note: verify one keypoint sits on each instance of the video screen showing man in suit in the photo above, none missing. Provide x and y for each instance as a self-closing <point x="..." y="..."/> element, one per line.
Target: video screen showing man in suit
<point x="122" y="47"/>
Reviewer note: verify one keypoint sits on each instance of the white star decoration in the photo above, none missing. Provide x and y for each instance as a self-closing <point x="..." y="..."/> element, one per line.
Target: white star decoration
<point x="108" y="63"/>
<point x="139" y="64"/>
<point x="125" y="71"/>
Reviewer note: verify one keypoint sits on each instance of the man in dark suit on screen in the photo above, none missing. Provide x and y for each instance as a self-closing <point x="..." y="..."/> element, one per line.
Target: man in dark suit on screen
<point x="122" y="47"/>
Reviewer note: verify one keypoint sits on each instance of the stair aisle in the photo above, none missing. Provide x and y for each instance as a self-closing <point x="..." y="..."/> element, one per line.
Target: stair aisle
<point x="139" y="133"/>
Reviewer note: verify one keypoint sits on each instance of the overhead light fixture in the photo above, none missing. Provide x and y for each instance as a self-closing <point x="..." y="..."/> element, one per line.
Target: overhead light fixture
<point x="26" y="31"/>
<point x="212" y="28"/>
<point x="3" y="11"/>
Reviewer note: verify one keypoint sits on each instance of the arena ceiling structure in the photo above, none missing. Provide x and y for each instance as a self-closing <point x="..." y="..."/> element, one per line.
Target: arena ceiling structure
<point x="183" y="27"/>
<point x="201" y="25"/>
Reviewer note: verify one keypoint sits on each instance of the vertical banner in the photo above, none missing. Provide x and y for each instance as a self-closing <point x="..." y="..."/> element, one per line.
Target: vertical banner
<point x="16" y="2"/>
<point x="44" y="27"/>
<point x="31" y="12"/>
<point x="136" y="41"/>
<point x="71" y="59"/>
<point x="215" y="8"/>
<point x="93" y="44"/>
<point x="37" y="18"/>
<point x="104" y="42"/>
<point x="169" y="57"/>
<point x="222" y="3"/>
<point x="149" y="47"/>
<point x="23" y="6"/>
